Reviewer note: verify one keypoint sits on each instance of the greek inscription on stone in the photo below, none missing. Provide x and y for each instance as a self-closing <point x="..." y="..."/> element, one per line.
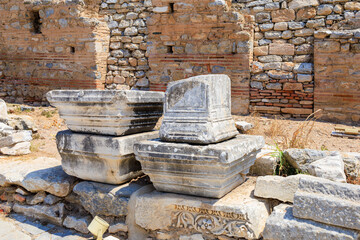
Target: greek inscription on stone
<point x="230" y="215"/>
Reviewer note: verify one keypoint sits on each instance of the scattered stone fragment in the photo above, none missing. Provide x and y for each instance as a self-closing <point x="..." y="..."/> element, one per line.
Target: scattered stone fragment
<point x="6" y="207"/>
<point x="17" y="149"/>
<point x="3" y="110"/>
<point x="36" y="199"/>
<point x="13" y="137"/>
<point x="79" y="224"/>
<point x="265" y="162"/>
<point x="118" y="227"/>
<point x="352" y="163"/>
<point x="52" y="214"/>
<point x="22" y="122"/>
<point x="282" y="225"/>
<point x="243" y="126"/>
<point x="51" y="199"/>
<point x="4" y="127"/>
<point x="330" y="167"/>
<point x="40" y="174"/>
<point x="164" y="211"/>
<point x="276" y="187"/>
<point x="105" y="199"/>
<point x="328" y="202"/>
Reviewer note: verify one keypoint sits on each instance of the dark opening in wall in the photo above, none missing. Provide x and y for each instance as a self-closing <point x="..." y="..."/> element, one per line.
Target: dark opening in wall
<point x="72" y="50"/>
<point x="36" y="20"/>
<point x="171" y="5"/>
<point x="170" y="49"/>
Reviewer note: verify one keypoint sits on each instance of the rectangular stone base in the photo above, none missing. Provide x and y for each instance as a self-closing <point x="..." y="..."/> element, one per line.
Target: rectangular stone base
<point x="237" y="215"/>
<point x="100" y="158"/>
<point x="202" y="170"/>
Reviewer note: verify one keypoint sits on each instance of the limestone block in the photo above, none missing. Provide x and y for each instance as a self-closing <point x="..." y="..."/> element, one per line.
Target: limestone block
<point x="4" y="127"/>
<point x="282" y="225"/>
<point x="3" y="110"/>
<point x="100" y="158"/>
<point x="202" y="170"/>
<point x="352" y="163"/>
<point x="110" y="112"/>
<point x="106" y="199"/>
<point x="13" y="137"/>
<point x="276" y="187"/>
<point x="40" y="174"/>
<point x="52" y="214"/>
<point x="331" y="167"/>
<point x="328" y="202"/>
<point x="198" y="110"/>
<point x="79" y="224"/>
<point x="21" y="148"/>
<point x="243" y="126"/>
<point x="237" y="215"/>
<point x="297" y="4"/>
<point x="265" y="163"/>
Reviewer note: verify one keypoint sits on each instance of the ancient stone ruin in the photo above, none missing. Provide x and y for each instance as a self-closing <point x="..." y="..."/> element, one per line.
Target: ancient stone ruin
<point x="284" y="57"/>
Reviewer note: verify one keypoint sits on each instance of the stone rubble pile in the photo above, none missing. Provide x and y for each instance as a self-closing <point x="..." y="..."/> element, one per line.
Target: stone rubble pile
<point x="198" y="153"/>
<point x="322" y="209"/>
<point x="104" y="127"/>
<point x="13" y="142"/>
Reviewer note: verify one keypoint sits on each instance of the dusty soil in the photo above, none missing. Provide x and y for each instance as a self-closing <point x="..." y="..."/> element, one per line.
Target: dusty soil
<point x="278" y="131"/>
<point x="300" y="134"/>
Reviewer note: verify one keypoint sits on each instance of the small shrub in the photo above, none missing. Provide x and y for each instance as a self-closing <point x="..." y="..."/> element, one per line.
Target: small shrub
<point x="283" y="167"/>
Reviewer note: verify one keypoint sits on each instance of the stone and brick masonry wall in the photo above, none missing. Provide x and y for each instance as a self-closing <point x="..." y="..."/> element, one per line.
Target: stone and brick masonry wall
<point x="337" y="74"/>
<point x="265" y="46"/>
<point x="282" y="77"/>
<point x="50" y="44"/>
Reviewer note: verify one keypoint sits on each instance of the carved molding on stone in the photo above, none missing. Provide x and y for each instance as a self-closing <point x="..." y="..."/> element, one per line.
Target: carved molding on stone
<point x="214" y="222"/>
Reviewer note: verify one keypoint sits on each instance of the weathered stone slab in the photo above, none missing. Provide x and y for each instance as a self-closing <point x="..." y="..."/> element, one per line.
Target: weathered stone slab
<point x="110" y="112"/>
<point x="3" y="110"/>
<point x="53" y="214"/>
<point x="100" y="158"/>
<point x="243" y="126"/>
<point x="40" y="174"/>
<point x="301" y="158"/>
<point x="282" y="225"/>
<point x="12" y="137"/>
<point x="352" y="163"/>
<point x="237" y="215"/>
<point x="265" y="162"/>
<point x="328" y="202"/>
<point x="198" y="110"/>
<point x="21" y="148"/>
<point x="79" y="224"/>
<point x="276" y="187"/>
<point x="106" y="199"/>
<point x="202" y="170"/>
<point x="331" y="167"/>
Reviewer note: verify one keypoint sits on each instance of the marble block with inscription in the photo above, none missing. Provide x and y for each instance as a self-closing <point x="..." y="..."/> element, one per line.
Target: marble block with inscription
<point x="237" y="215"/>
<point x="328" y="202"/>
<point x="108" y="112"/>
<point x="202" y="170"/>
<point x="198" y="110"/>
<point x="100" y="158"/>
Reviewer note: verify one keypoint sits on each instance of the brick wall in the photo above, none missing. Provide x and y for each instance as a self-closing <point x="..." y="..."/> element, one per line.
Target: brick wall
<point x="189" y="37"/>
<point x="337" y="75"/>
<point x="50" y="45"/>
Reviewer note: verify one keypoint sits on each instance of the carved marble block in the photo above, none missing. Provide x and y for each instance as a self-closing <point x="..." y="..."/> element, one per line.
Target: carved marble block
<point x="328" y="202"/>
<point x="109" y="112"/>
<point x="238" y="215"/>
<point x="198" y="110"/>
<point x="202" y="170"/>
<point x="100" y="158"/>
